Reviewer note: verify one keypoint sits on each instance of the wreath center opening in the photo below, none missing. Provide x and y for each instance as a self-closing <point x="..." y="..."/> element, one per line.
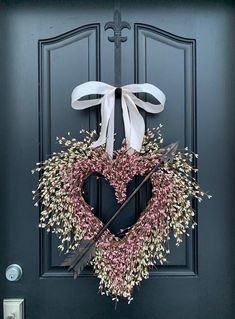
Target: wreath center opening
<point x="100" y="195"/>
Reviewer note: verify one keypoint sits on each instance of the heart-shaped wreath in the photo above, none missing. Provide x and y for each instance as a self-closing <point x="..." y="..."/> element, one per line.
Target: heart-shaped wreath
<point x="120" y="263"/>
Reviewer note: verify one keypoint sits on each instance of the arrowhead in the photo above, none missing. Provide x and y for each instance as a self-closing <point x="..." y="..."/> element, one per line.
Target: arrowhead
<point x="169" y="151"/>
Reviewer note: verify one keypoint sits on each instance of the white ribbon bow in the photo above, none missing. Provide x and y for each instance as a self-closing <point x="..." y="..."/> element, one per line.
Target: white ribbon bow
<point x="133" y="121"/>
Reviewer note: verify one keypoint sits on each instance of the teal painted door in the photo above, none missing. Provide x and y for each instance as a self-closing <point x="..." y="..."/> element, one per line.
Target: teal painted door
<point x="185" y="48"/>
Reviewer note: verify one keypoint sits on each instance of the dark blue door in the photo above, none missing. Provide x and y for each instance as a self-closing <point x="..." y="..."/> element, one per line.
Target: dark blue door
<point x="185" y="48"/>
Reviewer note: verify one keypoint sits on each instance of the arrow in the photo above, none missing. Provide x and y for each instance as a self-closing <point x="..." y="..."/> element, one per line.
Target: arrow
<point x="78" y="259"/>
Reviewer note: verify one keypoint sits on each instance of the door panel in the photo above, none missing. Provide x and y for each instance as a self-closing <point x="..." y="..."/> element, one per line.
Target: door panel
<point x="187" y="50"/>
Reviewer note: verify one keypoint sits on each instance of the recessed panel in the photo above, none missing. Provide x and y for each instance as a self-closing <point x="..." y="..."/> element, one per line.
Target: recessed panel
<point x="64" y="62"/>
<point x="168" y="61"/>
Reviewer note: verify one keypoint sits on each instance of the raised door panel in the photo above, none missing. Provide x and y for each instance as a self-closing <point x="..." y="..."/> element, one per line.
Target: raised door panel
<point x="64" y="62"/>
<point x="169" y="61"/>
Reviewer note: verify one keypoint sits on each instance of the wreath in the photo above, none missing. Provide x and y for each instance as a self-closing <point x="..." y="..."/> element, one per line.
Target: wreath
<point x="120" y="262"/>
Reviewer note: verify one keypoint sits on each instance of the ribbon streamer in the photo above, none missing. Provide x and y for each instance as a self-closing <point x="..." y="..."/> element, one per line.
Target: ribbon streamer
<point x="133" y="121"/>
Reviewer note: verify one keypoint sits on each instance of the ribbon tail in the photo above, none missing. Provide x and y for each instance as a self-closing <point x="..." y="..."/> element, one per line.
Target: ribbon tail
<point x="105" y="116"/>
<point x="137" y="125"/>
<point x="110" y="133"/>
<point x="126" y="120"/>
<point x="107" y="124"/>
<point x="110" y="136"/>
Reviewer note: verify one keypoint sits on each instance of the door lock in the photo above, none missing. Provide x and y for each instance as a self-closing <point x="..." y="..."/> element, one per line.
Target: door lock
<point x="13" y="272"/>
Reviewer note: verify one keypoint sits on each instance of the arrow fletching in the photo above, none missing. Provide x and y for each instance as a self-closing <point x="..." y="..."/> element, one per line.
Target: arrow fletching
<point x="80" y="258"/>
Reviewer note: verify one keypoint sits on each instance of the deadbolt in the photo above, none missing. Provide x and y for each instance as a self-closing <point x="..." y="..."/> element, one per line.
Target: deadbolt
<point x="13" y="272"/>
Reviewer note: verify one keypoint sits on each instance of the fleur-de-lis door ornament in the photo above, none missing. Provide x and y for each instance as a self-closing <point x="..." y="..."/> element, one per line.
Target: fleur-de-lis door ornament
<point x="117" y="26"/>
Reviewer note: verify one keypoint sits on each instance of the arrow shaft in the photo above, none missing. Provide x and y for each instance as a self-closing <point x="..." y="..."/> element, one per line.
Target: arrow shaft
<point x="164" y="158"/>
<point x="115" y="215"/>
